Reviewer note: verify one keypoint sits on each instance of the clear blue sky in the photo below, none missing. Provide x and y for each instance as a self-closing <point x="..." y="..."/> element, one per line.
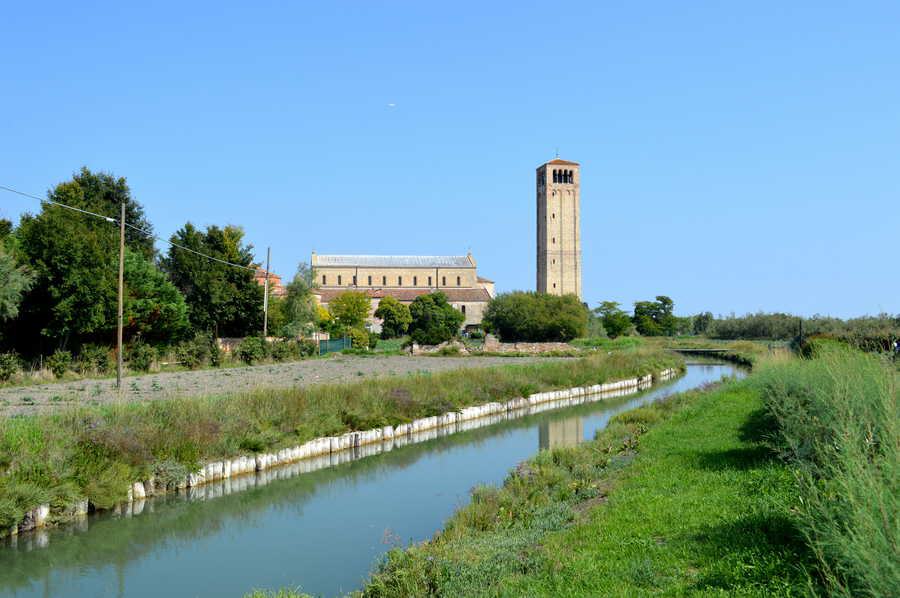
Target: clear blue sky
<point x="736" y="159"/>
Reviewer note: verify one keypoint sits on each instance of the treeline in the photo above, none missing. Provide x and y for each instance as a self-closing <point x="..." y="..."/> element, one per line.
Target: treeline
<point x="59" y="269"/>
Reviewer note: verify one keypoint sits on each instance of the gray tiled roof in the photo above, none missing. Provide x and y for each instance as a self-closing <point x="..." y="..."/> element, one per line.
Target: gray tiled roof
<point x="395" y="261"/>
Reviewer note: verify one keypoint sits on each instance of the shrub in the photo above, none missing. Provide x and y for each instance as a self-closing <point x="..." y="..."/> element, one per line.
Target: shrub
<point x="94" y="358"/>
<point x="307" y="348"/>
<point x="252" y="349"/>
<point x="359" y="338"/>
<point x="536" y="317"/>
<point x="433" y="319"/>
<point x="373" y="340"/>
<point x="285" y="350"/>
<point x="9" y="365"/>
<point x="195" y="352"/>
<point x="59" y="362"/>
<point x="140" y="356"/>
<point x="395" y="317"/>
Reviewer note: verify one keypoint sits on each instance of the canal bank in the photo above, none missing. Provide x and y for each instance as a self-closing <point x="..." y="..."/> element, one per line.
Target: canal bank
<point x="309" y="530"/>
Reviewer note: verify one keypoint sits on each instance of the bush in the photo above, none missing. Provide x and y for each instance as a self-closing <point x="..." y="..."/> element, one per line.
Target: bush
<point x="395" y="317"/>
<point x="9" y="365"/>
<point x="285" y="350"/>
<point x="140" y="356"/>
<point x="59" y="362"/>
<point x="373" y="340"/>
<point x="252" y="349"/>
<point x="193" y="353"/>
<point x="359" y="338"/>
<point x="536" y="317"/>
<point x="94" y="358"/>
<point x="434" y="321"/>
<point x="307" y="348"/>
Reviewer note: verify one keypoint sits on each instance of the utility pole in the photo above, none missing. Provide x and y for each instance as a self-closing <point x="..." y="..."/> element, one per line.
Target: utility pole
<point x="121" y="297"/>
<point x="266" y="296"/>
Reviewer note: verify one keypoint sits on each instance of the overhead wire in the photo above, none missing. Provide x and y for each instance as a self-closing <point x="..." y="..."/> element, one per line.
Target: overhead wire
<point x="131" y="226"/>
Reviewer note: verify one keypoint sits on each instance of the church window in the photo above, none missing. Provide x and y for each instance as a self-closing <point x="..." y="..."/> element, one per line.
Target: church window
<point x="384" y="281"/>
<point x="443" y="281"/>
<point x="458" y="281"/>
<point x="415" y="281"/>
<point x="429" y="281"/>
<point x="354" y="280"/>
<point x="370" y="281"/>
<point x="339" y="280"/>
<point x="399" y="281"/>
<point x="463" y="309"/>
<point x="324" y="279"/>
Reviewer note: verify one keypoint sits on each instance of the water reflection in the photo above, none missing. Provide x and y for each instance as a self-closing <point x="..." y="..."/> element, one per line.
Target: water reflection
<point x="319" y="525"/>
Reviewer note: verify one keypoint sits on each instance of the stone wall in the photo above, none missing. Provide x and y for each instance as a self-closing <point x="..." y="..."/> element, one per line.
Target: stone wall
<point x="493" y="345"/>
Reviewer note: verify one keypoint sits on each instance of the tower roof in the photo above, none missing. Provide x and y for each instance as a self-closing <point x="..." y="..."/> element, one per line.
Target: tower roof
<point x="560" y="161"/>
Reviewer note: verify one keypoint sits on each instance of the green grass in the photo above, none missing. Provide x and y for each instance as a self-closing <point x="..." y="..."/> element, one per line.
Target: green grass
<point x="95" y="452"/>
<point x="608" y="344"/>
<point x="703" y="508"/>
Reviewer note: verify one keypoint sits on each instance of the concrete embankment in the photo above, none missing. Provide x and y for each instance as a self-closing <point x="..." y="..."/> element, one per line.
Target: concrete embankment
<point x="246" y="471"/>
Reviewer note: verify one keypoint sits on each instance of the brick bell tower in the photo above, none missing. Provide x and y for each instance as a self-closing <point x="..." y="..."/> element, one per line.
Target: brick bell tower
<point x="559" y="228"/>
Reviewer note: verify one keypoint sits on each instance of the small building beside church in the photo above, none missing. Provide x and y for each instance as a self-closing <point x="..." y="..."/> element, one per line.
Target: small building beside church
<point x="404" y="277"/>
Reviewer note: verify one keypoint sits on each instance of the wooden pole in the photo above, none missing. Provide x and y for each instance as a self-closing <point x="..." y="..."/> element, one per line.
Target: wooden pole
<point x="121" y="297"/>
<point x="266" y="296"/>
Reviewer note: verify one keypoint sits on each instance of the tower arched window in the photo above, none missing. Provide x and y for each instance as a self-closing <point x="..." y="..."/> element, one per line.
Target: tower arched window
<point x="555" y="177"/>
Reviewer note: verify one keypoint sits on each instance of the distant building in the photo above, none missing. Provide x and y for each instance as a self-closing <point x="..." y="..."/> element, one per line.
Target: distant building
<point x="559" y="228"/>
<point x="276" y="289"/>
<point x="404" y="277"/>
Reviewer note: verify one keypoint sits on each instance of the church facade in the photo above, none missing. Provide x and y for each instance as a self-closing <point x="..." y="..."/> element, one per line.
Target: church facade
<point x="404" y="277"/>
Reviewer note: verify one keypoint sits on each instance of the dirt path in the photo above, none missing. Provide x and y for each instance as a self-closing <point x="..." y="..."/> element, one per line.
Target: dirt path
<point x="344" y="368"/>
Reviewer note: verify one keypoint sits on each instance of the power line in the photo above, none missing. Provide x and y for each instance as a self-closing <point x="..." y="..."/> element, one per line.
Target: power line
<point x="131" y="226"/>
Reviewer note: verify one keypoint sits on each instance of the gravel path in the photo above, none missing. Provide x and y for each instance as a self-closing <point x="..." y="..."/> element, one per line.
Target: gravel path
<point x="343" y="368"/>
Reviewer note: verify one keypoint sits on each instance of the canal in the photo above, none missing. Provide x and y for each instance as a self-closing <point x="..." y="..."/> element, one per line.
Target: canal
<point x="320" y="532"/>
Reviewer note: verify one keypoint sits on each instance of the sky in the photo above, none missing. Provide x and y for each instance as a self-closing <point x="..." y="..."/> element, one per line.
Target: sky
<point x="735" y="158"/>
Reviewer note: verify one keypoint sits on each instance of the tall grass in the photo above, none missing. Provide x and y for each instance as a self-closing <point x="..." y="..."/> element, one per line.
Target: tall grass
<point x="837" y="422"/>
<point x="96" y="452"/>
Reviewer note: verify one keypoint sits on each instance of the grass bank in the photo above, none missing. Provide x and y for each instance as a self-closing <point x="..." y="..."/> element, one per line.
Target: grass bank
<point x="95" y="453"/>
<point x="783" y="484"/>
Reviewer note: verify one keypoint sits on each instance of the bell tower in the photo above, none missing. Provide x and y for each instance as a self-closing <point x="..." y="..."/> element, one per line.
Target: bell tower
<point x="559" y="228"/>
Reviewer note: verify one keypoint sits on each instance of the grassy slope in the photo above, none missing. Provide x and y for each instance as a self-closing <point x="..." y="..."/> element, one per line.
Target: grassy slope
<point x="704" y="508"/>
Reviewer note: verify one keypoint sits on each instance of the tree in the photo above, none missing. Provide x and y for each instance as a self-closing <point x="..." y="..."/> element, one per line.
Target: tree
<point x="221" y="298"/>
<point x="154" y="310"/>
<point x="75" y="261"/>
<point x="615" y="321"/>
<point x="655" y="318"/>
<point x="528" y="316"/>
<point x="395" y="317"/>
<point x="298" y="308"/>
<point x="15" y="280"/>
<point x="702" y="322"/>
<point x="433" y="319"/>
<point x="350" y="309"/>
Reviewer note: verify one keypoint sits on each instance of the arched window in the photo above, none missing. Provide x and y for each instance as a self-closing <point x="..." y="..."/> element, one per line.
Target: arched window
<point x="384" y="281"/>
<point x="463" y="309"/>
<point x="354" y="280"/>
<point x="324" y="280"/>
<point x="339" y="280"/>
<point x="399" y="281"/>
<point x="429" y="281"/>
<point x="458" y="281"/>
<point x="571" y="176"/>
<point x="443" y="281"/>
<point x="555" y="177"/>
<point x="415" y="281"/>
<point x="553" y="240"/>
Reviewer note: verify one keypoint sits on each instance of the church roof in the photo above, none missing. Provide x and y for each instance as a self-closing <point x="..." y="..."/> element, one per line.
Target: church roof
<point x="560" y="161"/>
<point x="394" y="261"/>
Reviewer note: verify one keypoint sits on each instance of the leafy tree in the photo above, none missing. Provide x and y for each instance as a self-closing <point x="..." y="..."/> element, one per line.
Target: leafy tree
<point x="433" y="319"/>
<point x="14" y="282"/>
<point x="298" y="308"/>
<point x="153" y="309"/>
<point x="615" y="321"/>
<point x="395" y="317"/>
<point x="655" y="318"/>
<point x="537" y="317"/>
<point x="221" y="298"/>
<point x="75" y="261"/>
<point x="350" y="309"/>
<point x="702" y="322"/>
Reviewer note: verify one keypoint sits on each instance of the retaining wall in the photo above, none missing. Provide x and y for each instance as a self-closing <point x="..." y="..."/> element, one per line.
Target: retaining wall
<point x="224" y="477"/>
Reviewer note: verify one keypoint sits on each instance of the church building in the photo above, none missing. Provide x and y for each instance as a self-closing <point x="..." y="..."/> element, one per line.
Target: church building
<point x="404" y="277"/>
